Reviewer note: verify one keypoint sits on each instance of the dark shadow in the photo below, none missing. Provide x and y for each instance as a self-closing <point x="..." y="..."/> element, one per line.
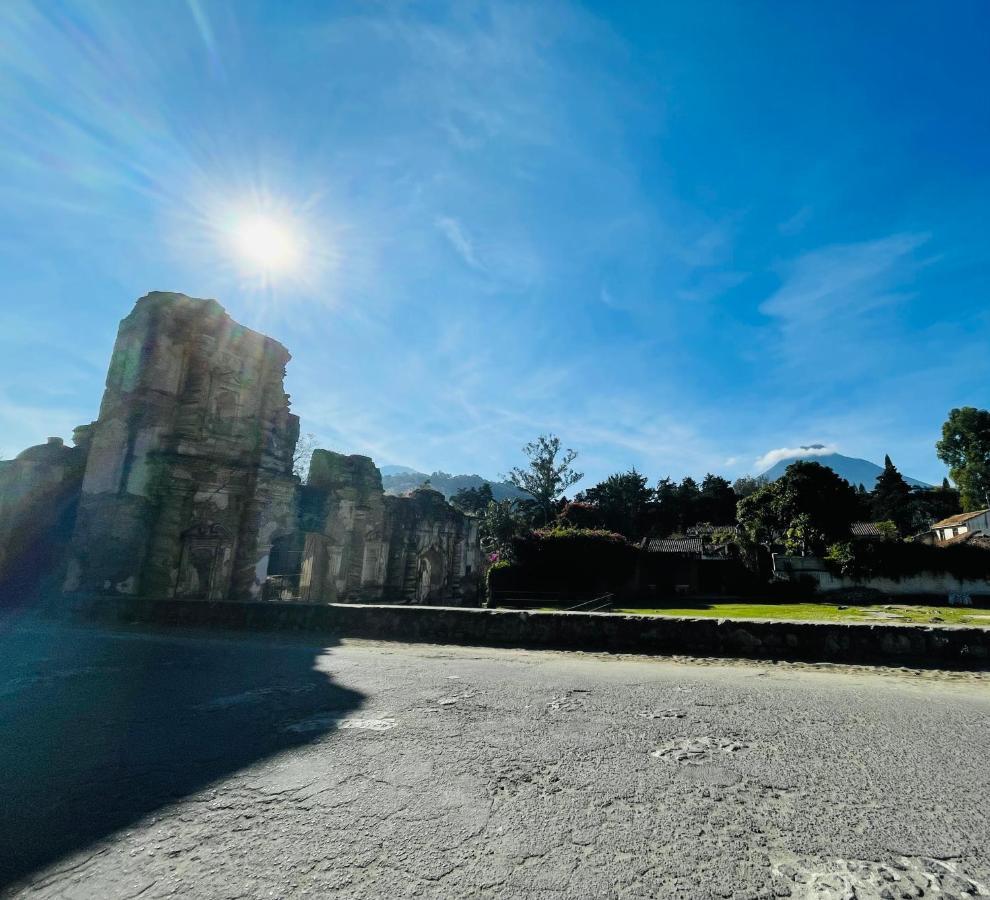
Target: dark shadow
<point x="102" y="728"/>
<point x="36" y="547"/>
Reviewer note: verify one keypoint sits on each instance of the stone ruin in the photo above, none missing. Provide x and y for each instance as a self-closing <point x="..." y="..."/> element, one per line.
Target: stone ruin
<point x="183" y="487"/>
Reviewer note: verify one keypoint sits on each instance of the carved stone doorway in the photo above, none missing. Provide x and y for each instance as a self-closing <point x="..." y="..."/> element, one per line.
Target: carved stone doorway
<point x="205" y="563"/>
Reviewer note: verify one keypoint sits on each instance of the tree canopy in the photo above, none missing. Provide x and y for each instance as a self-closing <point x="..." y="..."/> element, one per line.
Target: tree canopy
<point x="965" y="449"/>
<point x="745" y="485"/>
<point x="621" y="501"/>
<point x="501" y="521"/>
<point x="808" y="507"/>
<point x="473" y="500"/>
<point x="892" y="500"/>
<point x="716" y="503"/>
<point x="548" y="474"/>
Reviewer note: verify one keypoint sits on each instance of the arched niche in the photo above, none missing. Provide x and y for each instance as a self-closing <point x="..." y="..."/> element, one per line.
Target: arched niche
<point x="205" y="562"/>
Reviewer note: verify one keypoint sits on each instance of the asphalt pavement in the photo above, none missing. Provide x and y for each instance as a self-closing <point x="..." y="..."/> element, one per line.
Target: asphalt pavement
<point x="169" y="764"/>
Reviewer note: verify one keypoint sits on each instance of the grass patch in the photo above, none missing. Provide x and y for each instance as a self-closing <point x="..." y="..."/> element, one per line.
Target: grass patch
<point x="827" y="612"/>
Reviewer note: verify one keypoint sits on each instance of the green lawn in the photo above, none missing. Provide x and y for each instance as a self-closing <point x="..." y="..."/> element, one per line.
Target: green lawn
<point x="827" y="612"/>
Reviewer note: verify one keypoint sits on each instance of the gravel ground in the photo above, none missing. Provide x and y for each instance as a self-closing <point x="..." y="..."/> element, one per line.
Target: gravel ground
<point x="167" y="764"/>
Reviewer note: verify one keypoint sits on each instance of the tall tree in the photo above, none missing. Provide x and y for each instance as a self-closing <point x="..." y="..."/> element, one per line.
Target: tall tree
<point x="809" y="500"/>
<point x="745" y="485"/>
<point x="892" y="498"/>
<point x="864" y="503"/>
<point x="688" y="495"/>
<point x="548" y="473"/>
<point x="664" y="512"/>
<point x="501" y="521"/>
<point x="762" y="515"/>
<point x="473" y="500"/>
<point x="621" y="499"/>
<point x="717" y="502"/>
<point x="931" y="505"/>
<point x="965" y="449"/>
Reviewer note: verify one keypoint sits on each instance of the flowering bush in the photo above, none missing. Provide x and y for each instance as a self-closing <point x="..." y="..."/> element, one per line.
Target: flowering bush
<point x="564" y="558"/>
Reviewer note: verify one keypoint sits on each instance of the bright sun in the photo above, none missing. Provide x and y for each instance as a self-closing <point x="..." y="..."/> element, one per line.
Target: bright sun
<point x="267" y="245"/>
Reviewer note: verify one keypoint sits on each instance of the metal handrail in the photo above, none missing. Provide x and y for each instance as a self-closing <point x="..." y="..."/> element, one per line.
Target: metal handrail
<point x="595" y="605"/>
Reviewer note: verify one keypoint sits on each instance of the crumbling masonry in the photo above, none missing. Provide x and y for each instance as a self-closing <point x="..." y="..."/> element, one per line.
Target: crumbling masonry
<point x="183" y="487"/>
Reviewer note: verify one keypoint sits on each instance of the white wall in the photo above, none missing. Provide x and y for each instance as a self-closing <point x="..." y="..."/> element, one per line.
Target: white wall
<point x="938" y="583"/>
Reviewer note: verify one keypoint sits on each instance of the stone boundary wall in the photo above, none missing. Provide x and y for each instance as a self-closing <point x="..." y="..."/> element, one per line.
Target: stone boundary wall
<point x="935" y="585"/>
<point x="887" y="644"/>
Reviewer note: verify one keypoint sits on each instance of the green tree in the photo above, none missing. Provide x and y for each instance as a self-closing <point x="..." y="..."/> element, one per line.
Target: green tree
<point x="745" y="485"/>
<point x="548" y="473"/>
<point x="931" y="505"/>
<point x="809" y="500"/>
<point x="688" y="496"/>
<point x="473" y="500"/>
<point x="621" y="500"/>
<point x="763" y="516"/>
<point x="888" y="530"/>
<point x="717" y="501"/>
<point x="664" y="514"/>
<point x="864" y="503"/>
<point x="801" y="536"/>
<point x="501" y="521"/>
<point x="965" y="449"/>
<point x="892" y="498"/>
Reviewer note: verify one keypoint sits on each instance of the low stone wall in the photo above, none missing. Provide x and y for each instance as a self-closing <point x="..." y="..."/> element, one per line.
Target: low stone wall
<point x="916" y="645"/>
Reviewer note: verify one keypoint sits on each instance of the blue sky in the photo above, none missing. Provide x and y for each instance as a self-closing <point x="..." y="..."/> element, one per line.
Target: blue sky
<point x="679" y="235"/>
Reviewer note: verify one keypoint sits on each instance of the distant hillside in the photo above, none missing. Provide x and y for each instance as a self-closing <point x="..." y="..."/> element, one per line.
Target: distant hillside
<point x="855" y="471"/>
<point x="396" y="470"/>
<point x="402" y="482"/>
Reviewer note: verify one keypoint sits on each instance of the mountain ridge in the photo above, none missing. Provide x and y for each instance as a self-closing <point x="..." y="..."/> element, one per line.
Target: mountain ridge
<point x="853" y="469"/>
<point x="406" y="480"/>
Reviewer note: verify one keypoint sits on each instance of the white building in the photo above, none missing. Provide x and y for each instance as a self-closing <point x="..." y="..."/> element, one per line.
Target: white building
<point x="965" y="523"/>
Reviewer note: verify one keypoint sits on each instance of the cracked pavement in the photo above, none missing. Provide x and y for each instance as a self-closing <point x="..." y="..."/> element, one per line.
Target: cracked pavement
<point x="160" y="764"/>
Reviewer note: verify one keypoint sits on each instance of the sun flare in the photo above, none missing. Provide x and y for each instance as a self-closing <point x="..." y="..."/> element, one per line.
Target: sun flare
<point x="267" y="245"/>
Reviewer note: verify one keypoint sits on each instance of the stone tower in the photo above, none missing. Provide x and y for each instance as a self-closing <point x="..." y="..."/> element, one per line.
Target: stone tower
<point x="188" y="480"/>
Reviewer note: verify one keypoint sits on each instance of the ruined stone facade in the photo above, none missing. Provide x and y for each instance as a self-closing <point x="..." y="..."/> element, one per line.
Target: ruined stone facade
<point x="361" y="544"/>
<point x="184" y="486"/>
<point x="39" y="495"/>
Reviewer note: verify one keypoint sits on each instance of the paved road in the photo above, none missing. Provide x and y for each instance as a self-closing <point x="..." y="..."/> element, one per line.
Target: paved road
<point x="160" y="765"/>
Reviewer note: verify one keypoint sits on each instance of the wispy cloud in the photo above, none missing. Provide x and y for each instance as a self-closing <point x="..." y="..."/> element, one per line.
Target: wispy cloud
<point x="454" y="232"/>
<point x="795" y="224"/>
<point x="832" y="301"/>
<point x="844" y="278"/>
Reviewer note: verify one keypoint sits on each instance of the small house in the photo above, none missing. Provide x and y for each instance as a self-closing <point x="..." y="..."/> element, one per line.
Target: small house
<point x="965" y="523"/>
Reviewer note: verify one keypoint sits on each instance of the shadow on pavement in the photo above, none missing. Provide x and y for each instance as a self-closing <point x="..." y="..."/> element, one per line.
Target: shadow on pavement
<point x="99" y="729"/>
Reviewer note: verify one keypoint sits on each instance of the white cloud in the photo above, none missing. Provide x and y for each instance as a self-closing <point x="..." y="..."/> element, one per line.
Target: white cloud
<point x="454" y="232"/>
<point x="836" y="307"/>
<point x="771" y="457"/>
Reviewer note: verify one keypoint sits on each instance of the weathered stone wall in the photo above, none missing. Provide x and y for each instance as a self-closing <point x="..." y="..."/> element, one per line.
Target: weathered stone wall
<point x="39" y="491"/>
<point x="361" y="545"/>
<point x="344" y="515"/>
<point x="183" y="486"/>
<point x="434" y="550"/>
<point x="916" y="645"/>
<point x="189" y="468"/>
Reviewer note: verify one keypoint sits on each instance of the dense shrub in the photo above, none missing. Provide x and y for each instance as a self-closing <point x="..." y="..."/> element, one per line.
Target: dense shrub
<point x="578" y="514"/>
<point x="497" y="578"/>
<point x="893" y="559"/>
<point x="576" y="560"/>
